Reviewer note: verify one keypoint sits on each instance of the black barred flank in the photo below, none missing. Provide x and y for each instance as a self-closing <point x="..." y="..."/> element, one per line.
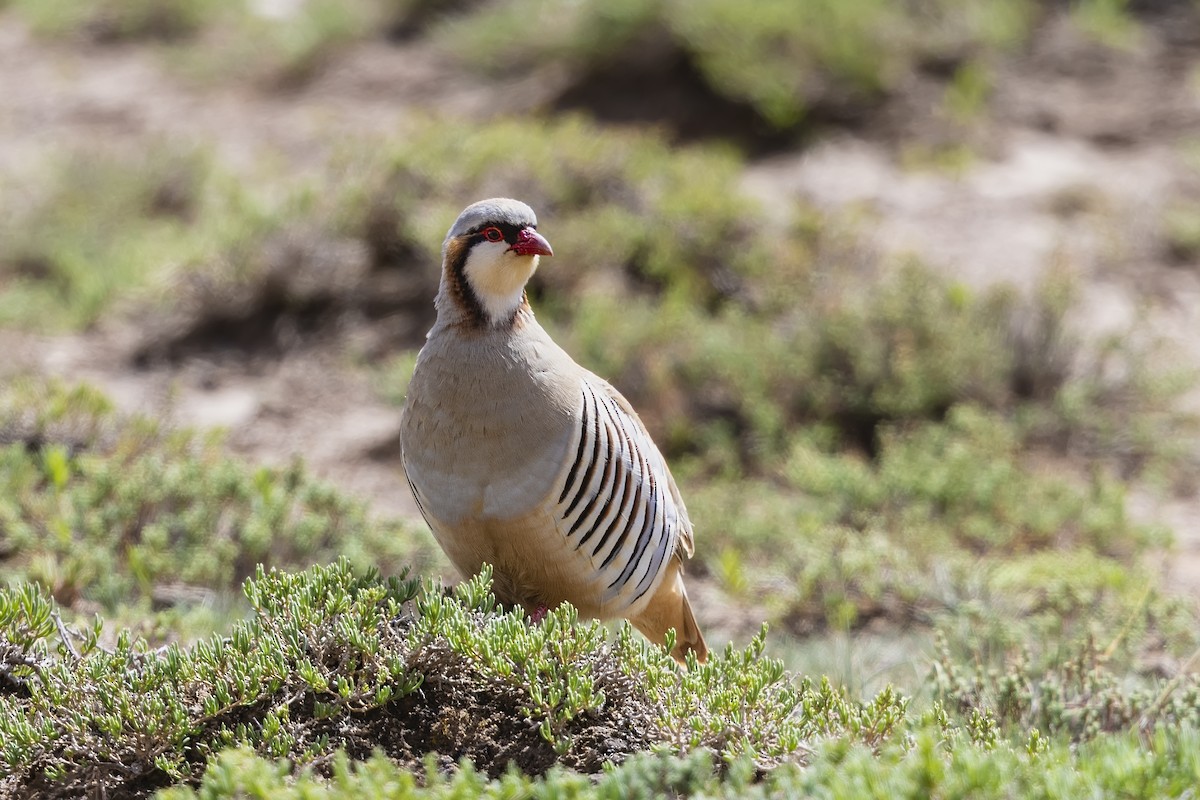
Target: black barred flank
<point x="628" y="459"/>
<point x="623" y="479"/>
<point x="590" y="470"/>
<point x="660" y="555"/>
<point x="616" y="498"/>
<point x="640" y="469"/>
<point x="606" y="480"/>
<point x="635" y="507"/>
<point x="573" y="474"/>
<point x="653" y="519"/>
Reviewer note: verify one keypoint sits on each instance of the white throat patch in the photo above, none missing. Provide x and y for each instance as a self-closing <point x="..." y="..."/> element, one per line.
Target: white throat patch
<point x="498" y="276"/>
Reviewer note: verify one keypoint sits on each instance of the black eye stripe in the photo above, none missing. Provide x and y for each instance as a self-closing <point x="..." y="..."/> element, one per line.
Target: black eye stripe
<point x="509" y="230"/>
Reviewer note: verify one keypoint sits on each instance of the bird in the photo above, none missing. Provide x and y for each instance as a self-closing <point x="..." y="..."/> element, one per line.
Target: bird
<point x="520" y="458"/>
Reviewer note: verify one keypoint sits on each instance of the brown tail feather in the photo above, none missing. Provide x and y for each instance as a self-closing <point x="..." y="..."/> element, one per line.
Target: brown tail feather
<point x="669" y="608"/>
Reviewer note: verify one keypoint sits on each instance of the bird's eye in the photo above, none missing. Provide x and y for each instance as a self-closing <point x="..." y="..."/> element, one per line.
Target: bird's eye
<point x="493" y="234"/>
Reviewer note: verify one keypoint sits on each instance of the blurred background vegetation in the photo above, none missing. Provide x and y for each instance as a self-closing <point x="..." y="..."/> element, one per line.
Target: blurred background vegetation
<point x="908" y="293"/>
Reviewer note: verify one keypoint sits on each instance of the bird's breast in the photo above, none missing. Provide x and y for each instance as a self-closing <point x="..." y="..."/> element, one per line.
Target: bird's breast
<point x="485" y="430"/>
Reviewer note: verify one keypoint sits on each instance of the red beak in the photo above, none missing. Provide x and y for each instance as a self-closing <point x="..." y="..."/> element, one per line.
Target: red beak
<point x="531" y="243"/>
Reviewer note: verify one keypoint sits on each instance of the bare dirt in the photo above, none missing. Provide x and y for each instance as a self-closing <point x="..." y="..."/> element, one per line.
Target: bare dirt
<point x="1083" y="150"/>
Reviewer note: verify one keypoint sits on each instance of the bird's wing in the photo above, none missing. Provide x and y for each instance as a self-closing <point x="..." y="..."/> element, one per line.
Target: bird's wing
<point x="661" y="471"/>
<point x="416" y="493"/>
<point x="617" y="504"/>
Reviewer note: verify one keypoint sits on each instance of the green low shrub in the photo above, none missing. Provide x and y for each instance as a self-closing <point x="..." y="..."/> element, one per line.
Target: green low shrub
<point x="106" y="225"/>
<point x="335" y="659"/>
<point x="781" y="62"/>
<point x="102" y="509"/>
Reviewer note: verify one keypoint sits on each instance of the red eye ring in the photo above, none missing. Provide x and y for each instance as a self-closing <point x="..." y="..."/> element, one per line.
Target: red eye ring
<point x="492" y="234"/>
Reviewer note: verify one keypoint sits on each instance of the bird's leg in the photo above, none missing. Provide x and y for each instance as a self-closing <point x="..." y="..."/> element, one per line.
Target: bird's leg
<point x="538" y="615"/>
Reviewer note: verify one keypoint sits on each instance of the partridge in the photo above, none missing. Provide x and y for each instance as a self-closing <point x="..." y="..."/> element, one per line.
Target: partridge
<point x="520" y="458"/>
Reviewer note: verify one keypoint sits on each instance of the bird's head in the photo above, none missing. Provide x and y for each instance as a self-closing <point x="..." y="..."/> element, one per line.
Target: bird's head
<point x="489" y="254"/>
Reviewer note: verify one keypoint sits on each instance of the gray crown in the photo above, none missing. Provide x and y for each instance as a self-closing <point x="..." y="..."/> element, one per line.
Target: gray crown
<point x="497" y="209"/>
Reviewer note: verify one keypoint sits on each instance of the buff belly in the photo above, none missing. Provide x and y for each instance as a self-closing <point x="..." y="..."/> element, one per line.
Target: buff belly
<point x="532" y="564"/>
